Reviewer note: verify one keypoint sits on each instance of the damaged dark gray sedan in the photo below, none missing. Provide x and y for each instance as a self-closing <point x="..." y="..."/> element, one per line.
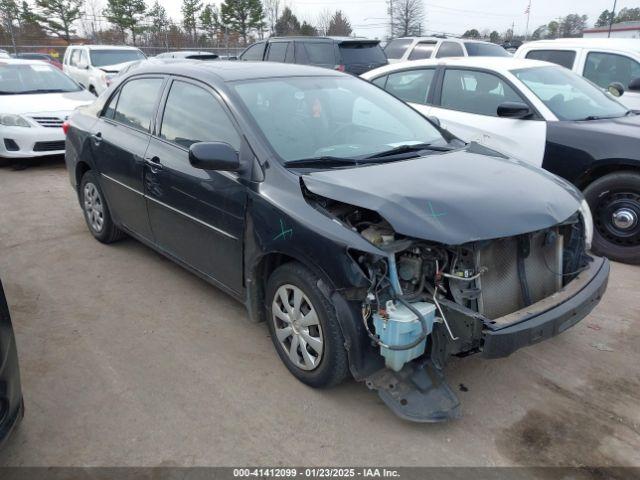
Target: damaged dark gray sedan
<point x="373" y="243"/>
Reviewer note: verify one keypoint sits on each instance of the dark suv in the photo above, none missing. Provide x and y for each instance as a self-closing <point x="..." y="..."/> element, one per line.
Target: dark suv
<point x="351" y="55"/>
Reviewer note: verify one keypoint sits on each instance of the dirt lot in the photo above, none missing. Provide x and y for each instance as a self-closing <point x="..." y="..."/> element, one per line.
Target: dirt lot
<point x="127" y="359"/>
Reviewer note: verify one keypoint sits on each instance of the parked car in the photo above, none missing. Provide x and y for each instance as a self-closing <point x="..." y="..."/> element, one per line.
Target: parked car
<point x="512" y="46"/>
<point x="4" y="54"/>
<point x="542" y="114"/>
<point x="188" y="55"/>
<point x="604" y="61"/>
<point x="94" y="66"/>
<point x="35" y="99"/>
<point x="11" y="402"/>
<point x="346" y="54"/>
<point x="371" y="241"/>
<point x="40" y="56"/>
<point x="419" y="48"/>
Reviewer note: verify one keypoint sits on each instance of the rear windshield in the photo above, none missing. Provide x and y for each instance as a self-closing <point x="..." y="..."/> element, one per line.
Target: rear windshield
<point x="475" y="49"/>
<point x="396" y="48"/>
<point x="102" y="58"/>
<point x="353" y="52"/>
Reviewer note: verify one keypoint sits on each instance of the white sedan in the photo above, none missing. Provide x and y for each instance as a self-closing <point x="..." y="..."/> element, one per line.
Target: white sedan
<point x="542" y="114"/>
<point x="35" y="100"/>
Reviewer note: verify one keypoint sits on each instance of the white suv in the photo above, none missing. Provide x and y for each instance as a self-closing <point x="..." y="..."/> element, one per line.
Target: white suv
<point x="604" y="61"/>
<point x="94" y="66"/>
<point x="420" y="48"/>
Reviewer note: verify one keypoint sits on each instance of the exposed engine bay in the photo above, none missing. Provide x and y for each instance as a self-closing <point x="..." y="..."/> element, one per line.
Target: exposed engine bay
<point x="428" y="301"/>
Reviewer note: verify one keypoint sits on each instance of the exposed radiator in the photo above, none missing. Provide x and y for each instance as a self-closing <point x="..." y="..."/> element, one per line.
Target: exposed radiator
<point x="501" y="290"/>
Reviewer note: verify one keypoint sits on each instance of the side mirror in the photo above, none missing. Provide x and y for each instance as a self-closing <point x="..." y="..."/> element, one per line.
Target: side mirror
<point x="514" y="110"/>
<point x="634" y="85"/>
<point x="214" y="156"/>
<point x="434" y="120"/>
<point x="616" y="89"/>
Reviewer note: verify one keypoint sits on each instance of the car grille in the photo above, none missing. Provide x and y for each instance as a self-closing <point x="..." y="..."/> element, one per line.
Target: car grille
<point x="48" y="146"/>
<point x="49" y="122"/>
<point x="500" y="284"/>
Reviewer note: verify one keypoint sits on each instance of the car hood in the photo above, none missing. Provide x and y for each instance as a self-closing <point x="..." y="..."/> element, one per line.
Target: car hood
<point x="44" y="102"/>
<point x="628" y="126"/>
<point x="453" y="198"/>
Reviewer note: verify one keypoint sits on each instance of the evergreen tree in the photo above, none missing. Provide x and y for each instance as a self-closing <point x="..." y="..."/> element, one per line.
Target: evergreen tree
<point x="58" y="16"/>
<point x="242" y="16"/>
<point x="126" y="15"/>
<point x="288" y="24"/>
<point x="210" y="20"/>
<point x="339" y="25"/>
<point x="308" y="30"/>
<point x="190" y="11"/>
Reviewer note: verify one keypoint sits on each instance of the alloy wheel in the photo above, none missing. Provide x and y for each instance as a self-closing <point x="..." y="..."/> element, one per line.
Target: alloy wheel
<point x="93" y="207"/>
<point x="297" y="327"/>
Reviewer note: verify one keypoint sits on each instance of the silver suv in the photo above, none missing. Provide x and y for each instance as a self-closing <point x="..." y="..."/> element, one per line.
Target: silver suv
<point x="420" y="48"/>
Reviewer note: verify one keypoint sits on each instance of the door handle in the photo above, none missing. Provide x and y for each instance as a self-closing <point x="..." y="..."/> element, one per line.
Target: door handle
<point x="154" y="163"/>
<point x="97" y="137"/>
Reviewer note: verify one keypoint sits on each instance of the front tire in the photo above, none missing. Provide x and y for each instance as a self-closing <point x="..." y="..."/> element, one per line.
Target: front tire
<point x="615" y="204"/>
<point x="96" y="211"/>
<point x="304" y="327"/>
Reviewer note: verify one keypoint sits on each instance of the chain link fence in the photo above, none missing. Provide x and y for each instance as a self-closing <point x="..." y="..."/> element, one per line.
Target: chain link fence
<point x="57" y="52"/>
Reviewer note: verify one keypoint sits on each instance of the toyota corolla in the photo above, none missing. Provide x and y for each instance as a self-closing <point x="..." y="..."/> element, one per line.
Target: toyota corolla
<point x="372" y="242"/>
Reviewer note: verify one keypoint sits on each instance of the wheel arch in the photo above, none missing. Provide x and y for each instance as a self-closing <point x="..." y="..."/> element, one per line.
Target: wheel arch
<point x="605" y="168"/>
<point x="82" y="167"/>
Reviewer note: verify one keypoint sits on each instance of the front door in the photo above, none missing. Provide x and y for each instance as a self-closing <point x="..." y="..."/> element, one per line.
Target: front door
<point x="120" y="139"/>
<point x="196" y="215"/>
<point x="468" y="109"/>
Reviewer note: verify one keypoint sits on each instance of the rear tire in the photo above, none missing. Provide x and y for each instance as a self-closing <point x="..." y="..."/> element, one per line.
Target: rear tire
<point x="615" y="204"/>
<point x="304" y="327"/>
<point x="96" y="211"/>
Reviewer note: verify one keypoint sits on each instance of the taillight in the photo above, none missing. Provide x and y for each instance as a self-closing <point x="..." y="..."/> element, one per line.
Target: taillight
<point x="340" y="68"/>
<point x="65" y="126"/>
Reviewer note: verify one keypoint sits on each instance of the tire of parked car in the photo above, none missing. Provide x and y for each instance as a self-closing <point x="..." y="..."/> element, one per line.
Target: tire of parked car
<point x="304" y="327"/>
<point x="615" y="205"/>
<point x="96" y="211"/>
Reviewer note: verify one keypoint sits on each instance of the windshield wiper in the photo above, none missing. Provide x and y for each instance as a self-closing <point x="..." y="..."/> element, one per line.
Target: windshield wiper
<point x="410" y="148"/>
<point x="44" y="90"/>
<point x="324" y="161"/>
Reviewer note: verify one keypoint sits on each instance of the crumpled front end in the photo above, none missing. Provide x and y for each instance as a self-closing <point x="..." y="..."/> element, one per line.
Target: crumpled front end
<point x="428" y="301"/>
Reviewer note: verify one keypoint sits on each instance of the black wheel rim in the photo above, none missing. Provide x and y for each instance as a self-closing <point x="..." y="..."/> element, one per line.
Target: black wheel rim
<point x="617" y="217"/>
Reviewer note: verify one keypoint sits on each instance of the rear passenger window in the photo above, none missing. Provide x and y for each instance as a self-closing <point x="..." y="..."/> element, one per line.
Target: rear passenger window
<point x="137" y="101"/>
<point x="192" y="115"/>
<point x="475" y="92"/>
<point x="395" y="48"/>
<point x="450" y="49"/>
<point x="411" y="86"/>
<point x="564" y="58"/>
<point x="277" y="51"/>
<point x="422" y="51"/>
<point x="317" y="53"/>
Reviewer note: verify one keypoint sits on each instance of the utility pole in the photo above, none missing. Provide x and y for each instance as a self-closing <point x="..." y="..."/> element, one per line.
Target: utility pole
<point x="513" y="27"/>
<point x="528" y="12"/>
<point x="613" y="15"/>
<point x="390" y="19"/>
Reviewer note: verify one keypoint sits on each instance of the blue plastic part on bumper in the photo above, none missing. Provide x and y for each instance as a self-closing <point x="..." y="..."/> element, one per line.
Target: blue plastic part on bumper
<point x="552" y="321"/>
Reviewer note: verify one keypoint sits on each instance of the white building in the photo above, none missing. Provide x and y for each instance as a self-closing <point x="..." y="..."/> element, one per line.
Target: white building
<point x="618" y="30"/>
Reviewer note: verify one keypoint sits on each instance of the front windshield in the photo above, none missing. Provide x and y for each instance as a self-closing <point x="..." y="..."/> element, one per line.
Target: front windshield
<point x="569" y="96"/>
<point x="34" y="78"/>
<point x="311" y="117"/>
<point x="103" y="58"/>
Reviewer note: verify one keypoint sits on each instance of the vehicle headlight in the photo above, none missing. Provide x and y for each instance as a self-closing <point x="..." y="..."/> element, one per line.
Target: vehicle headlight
<point x="11" y="120"/>
<point x="585" y="211"/>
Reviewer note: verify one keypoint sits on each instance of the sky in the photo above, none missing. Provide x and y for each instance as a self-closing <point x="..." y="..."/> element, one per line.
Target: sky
<point x="369" y="17"/>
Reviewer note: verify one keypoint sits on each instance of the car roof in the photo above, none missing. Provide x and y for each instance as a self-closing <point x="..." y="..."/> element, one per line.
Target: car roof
<point x="434" y="38"/>
<point x="498" y="64"/>
<point x="231" y="71"/>
<point x="625" y="43"/>
<point x="105" y="47"/>
<point x="326" y="39"/>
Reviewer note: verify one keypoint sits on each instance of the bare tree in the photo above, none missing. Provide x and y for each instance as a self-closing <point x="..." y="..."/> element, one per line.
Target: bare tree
<point x="324" y="21"/>
<point x="407" y="17"/>
<point x="272" y="13"/>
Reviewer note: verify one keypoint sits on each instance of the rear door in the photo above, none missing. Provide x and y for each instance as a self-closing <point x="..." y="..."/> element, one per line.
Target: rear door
<point x="120" y="139"/>
<point x="279" y="51"/>
<point x="467" y="103"/>
<point x="412" y="86"/>
<point x="196" y="215"/>
<point x="318" y="53"/>
<point x="360" y="57"/>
